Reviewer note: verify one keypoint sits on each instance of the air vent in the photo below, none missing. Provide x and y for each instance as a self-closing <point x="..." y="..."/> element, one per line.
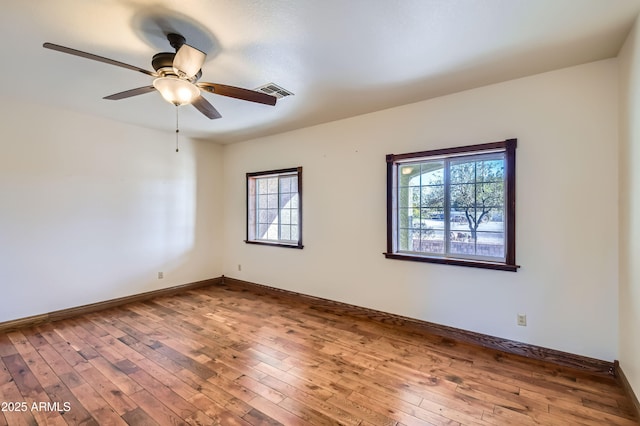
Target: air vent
<point x="274" y="90"/>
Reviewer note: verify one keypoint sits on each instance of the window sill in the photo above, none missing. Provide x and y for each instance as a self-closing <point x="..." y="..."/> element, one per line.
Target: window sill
<point x="458" y="262"/>
<point x="274" y="244"/>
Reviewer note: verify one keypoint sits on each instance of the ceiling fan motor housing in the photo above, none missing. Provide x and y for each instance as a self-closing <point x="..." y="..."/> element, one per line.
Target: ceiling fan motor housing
<point x="163" y="64"/>
<point x="162" y="60"/>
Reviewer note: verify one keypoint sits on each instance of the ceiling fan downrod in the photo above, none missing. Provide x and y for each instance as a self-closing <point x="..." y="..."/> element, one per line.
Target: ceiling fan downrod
<point x="176" y="40"/>
<point x="177" y="128"/>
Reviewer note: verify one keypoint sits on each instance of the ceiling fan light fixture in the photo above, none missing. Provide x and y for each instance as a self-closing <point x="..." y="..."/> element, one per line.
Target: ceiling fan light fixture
<point x="176" y="91"/>
<point x="177" y="78"/>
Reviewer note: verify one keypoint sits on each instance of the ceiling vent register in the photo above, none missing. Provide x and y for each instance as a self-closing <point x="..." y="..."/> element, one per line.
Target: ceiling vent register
<point x="274" y="90"/>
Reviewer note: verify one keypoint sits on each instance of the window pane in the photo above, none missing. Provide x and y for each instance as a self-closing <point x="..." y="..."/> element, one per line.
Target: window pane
<point x="490" y="234"/>
<point x="285" y="216"/>
<point x="490" y="244"/>
<point x="293" y="202"/>
<point x="294" y="216"/>
<point x="272" y="185"/>
<point x="294" y="232"/>
<point x="432" y="173"/>
<point x="285" y="184"/>
<point x="409" y="239"/>
<point x="496" y="216"/>
<point x="262" y="231"/>
<point x="285" y="200"/>
<point x="262" y="186"/>
<point x="409" y="196"/>
<point x="431" y="241"/>
<point x="462" y="196"/>
<point x="461" y="243"/>
<point x="432" y="219"/>
<point x="491" y="170"/>
<point x="294" y="184"/>
<point x="432" y="196"/>
<point x="475" y="200"/>
<point x="461" y="173"/>
<point x="272" y="216"/>
<point x="421" y="207"/>
<point x="262" y="202"/>
<point x="285" y="232"/>
<point x="406" y="172"/>
<point x="404" y="240"/>
<point x="406" y="217"/>
<point x="272" y="200"/>
<point x="490" y="195"/>
<point x="272" y="233"/>
<point x="457" y="218"/>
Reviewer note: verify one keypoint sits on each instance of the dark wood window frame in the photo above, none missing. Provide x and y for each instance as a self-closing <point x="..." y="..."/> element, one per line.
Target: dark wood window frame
<point x="509" y="148"/>
<point x="251" y="211"/>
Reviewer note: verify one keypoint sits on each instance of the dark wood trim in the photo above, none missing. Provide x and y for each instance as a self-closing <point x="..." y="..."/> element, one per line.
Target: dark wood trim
<point x="300" y="207"/>
<point x="448" y="151"/>
<point x="510" y="192"/>
<point x="452" y="261"/>
<point x="248" y="208"/>
<point x="624" y="382"/>
<point x="390" y="201"/>
<point x="509" y="148"/>
<point x="266" y="243"/>
<point x="505" y="346"/>
<point x="99" y="306"/>
<point x="274" y="172"/>
<point x="23" y="322"/>
<point x="508" y="347"/>
<point x="252" y="175"/>
<point x="232" y="355"/>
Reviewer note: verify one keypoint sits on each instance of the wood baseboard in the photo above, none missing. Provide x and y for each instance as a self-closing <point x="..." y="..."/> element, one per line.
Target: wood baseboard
<point x="624" y="382"/>
<point x="531" y="352"/>
<point x="93" y="307"/>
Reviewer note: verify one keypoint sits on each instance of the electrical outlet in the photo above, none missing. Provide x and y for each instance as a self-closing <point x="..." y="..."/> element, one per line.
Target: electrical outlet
<point x="522" y="320"/>
<point x="239" y="267"/>
<point x="160" y="275"/>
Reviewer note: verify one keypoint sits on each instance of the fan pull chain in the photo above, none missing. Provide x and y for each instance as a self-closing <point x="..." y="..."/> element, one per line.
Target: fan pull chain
<point x="177" y="129"/>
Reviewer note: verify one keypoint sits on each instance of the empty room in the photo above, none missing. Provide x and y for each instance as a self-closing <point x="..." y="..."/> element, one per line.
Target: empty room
<point x="366" y="212"/>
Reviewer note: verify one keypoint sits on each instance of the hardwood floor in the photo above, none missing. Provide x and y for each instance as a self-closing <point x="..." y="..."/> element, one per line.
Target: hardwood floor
<point x="226" y="355"/>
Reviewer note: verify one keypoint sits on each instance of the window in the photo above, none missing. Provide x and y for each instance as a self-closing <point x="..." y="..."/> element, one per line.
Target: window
<point x="453" y="206"/>
<point x="274" y="208"/>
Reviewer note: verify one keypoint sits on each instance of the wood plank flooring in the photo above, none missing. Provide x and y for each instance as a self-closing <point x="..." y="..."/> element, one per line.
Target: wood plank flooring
<point x="226" y="355"/>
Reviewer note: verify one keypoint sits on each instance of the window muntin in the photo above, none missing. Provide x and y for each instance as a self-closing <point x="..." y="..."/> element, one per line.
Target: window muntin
<point x="453" y="206"/>
<point x="421" y="207"/>
<point x="274" y="211"/>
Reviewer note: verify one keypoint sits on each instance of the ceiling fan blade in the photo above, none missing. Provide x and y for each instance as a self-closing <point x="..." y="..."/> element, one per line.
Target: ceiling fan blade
<point x="206" y="108"/>
<point x="188" y="61"/>
<point x="82" y="54"/>
<point x="238" y="93"/>
<point x="130" y="93"/>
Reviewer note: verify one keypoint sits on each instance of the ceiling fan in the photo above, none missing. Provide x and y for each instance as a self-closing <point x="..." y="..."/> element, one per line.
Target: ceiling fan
<point x="176" y="77"/>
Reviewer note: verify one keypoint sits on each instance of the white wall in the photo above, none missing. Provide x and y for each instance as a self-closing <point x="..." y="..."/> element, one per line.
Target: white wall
<point x="630" y="208"/>
<point x="91" y="210"/>
<point x="567" y="235"/>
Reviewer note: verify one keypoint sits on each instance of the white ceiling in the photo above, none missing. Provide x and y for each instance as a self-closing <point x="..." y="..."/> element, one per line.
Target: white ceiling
<point x="339" y="57"/>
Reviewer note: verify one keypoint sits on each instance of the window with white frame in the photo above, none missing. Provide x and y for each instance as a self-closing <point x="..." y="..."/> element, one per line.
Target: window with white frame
<point x="454" y="206"/>
<point x="274" y="207"/>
